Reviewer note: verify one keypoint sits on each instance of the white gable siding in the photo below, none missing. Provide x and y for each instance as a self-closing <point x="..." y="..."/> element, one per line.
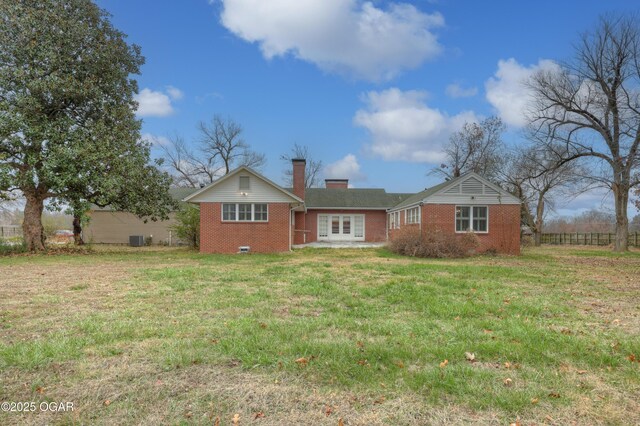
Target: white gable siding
<point x="472" y="186"/>
<point x="453" y="190"/>
<point x="229" y="191"/>
<point x="471" y="191"/>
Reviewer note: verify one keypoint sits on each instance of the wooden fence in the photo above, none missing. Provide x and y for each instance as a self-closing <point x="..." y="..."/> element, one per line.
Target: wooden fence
<point x="8" y="231"/>
<point x="588" y="238"/>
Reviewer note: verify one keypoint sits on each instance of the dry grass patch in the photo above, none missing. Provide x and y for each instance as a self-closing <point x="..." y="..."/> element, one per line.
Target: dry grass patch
<point x="170" y="336"/>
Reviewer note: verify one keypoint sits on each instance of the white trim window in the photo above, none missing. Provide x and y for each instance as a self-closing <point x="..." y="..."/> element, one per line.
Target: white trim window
<point x="412" y="216"/>
<point x="472" y="218"/>
<point x="394" y="220"/>
<point x="245" y="212"/>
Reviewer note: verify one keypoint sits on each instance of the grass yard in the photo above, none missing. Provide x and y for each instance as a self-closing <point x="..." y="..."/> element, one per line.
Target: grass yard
<point x="168" y="336"/>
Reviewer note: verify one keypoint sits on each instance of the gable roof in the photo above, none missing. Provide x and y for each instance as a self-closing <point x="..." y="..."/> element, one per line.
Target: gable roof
<point x="442" y="187"/>
<point x="420" y="196"/>
<point x="233" y="173"/>
<point x="351" y="198"/>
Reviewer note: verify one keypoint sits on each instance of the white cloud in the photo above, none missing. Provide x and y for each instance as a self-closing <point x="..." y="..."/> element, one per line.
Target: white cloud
<point x="403" y="127"/>
<point x="153" y="104"/>
<point x="351" y="37"/>
<point x="155" y="140"/>
<point x="455" y="90"/>
<point x="345" y="168"/>
<point x="175" y="93"/>
<point x="506" y="90"/>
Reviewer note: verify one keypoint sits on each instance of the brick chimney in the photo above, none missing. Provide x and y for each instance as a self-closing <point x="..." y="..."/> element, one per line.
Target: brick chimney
<point x="299" y="165"/>
<point x="336" y="183"/>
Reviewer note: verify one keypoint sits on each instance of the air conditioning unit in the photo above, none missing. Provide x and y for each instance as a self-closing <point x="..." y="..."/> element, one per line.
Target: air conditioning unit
<point x="244" y="249"/>
<point x="136" y="240"/>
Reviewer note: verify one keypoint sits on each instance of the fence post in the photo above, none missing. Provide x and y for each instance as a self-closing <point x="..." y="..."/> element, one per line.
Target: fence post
<point x="636" y="243"/>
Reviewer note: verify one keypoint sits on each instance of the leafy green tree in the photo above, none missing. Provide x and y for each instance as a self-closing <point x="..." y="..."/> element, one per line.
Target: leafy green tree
<point x="187" y="227"/>
<point x="67" y="110"/>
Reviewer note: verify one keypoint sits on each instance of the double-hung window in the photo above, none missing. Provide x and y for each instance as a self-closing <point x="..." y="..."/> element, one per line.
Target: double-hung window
<point x="412" y="215"/>
<point x="245" y="212"/>
<point x="472" y="218"/>
<point x="228" y="212"/>
<point x="394" y="220"/>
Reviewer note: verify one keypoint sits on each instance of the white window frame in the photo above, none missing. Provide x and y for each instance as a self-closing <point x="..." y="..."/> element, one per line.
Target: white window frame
<point x="412" y="216"/>
<point x="471" y="217"/>
<point x="237" y="213"/>
<point x="394" y="220"/>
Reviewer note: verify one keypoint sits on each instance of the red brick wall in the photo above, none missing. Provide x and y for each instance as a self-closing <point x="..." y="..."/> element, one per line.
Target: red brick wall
<point x="299" y="227"/>
<point x="336" y="183"/>
<point x="299" y="166"/>
<point x="375" y="222"/>
<point x="217" y="236"/>
<point x="504" y="225"/>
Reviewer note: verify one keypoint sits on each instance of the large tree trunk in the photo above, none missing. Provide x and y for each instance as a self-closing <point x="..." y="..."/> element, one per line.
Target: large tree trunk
<point x="621" y="197"/>
<point x="32" y="229"/>
<point x="77" y="230"/>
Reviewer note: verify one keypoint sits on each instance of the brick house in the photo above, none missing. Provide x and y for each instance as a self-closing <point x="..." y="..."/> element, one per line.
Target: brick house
<point x="245" y="211"/>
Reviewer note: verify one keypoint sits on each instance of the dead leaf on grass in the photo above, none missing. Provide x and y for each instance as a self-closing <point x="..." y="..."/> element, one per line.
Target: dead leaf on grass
<point x="106" y="403"/>
<point x="236" y="419"/>
<point x="328" y="410"/>
<point x="340" y="422"/>
<point x="470" y="356"/>
<point x="534" y="400"/>
<point x="444" y="363"/>
<point x="554" y="395"/>
<point x="302" y="361"/>
<point x="507" y="382"/>
<point x="258" y="415"/>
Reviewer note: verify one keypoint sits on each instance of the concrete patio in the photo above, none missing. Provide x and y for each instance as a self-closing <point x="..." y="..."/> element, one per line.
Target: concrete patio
<point x="339" y="244"/>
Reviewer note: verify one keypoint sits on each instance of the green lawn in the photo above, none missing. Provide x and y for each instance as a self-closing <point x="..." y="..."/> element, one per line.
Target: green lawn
<point x="168" y="336"/>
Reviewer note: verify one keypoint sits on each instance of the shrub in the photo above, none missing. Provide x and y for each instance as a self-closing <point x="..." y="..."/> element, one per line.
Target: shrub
<point x="187" y="227"/>
<point x="12" y="246"/>
<point x="409" y="241"/>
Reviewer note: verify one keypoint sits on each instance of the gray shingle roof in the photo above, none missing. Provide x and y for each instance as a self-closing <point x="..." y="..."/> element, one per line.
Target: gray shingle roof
<point x="351" y="198"/>
<point x="416" y="198"/>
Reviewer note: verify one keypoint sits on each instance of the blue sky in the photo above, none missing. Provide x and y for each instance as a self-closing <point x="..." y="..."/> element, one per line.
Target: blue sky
<point x="373" y="88"/>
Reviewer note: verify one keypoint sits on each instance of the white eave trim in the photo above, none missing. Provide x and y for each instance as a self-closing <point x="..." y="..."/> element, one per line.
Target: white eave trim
<point x="235" y="172"/>
<point x="348" y="208"/>
<point x="502" y="194"/>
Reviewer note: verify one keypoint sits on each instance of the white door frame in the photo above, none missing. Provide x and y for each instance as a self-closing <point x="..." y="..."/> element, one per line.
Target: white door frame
<point x="341" y="236"/>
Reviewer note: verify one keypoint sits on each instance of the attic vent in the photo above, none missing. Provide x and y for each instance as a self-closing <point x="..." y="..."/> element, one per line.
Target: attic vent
<point x="244" y="182"/>
<point x="490" y="191"/>
<point x="471" y="186"/>
<point x="244" y="249"/>
<point x="454" y="190"/>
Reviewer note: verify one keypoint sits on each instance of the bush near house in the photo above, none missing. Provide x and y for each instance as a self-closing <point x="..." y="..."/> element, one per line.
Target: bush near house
<point x="187" y="227"/>
<point x="409" y="241"/>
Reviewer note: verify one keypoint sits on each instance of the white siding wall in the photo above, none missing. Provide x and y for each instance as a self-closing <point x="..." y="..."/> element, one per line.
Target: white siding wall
<point x="472" y="191"/>
<point x="229" y="191"/>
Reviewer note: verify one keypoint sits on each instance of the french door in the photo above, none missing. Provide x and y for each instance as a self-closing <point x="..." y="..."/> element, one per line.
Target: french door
<point x="340" y="227"/>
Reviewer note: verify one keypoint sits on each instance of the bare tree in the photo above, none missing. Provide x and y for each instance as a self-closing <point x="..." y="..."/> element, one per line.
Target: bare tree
<point x="312" y="169"/>
<point x="475" y="148"/>
<point x="591" y="108"/>
<point x="221" y="141"/>
<point x="537" y="177"/>
<point x="219" y="149"/>
<point x="186" y="168"/>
